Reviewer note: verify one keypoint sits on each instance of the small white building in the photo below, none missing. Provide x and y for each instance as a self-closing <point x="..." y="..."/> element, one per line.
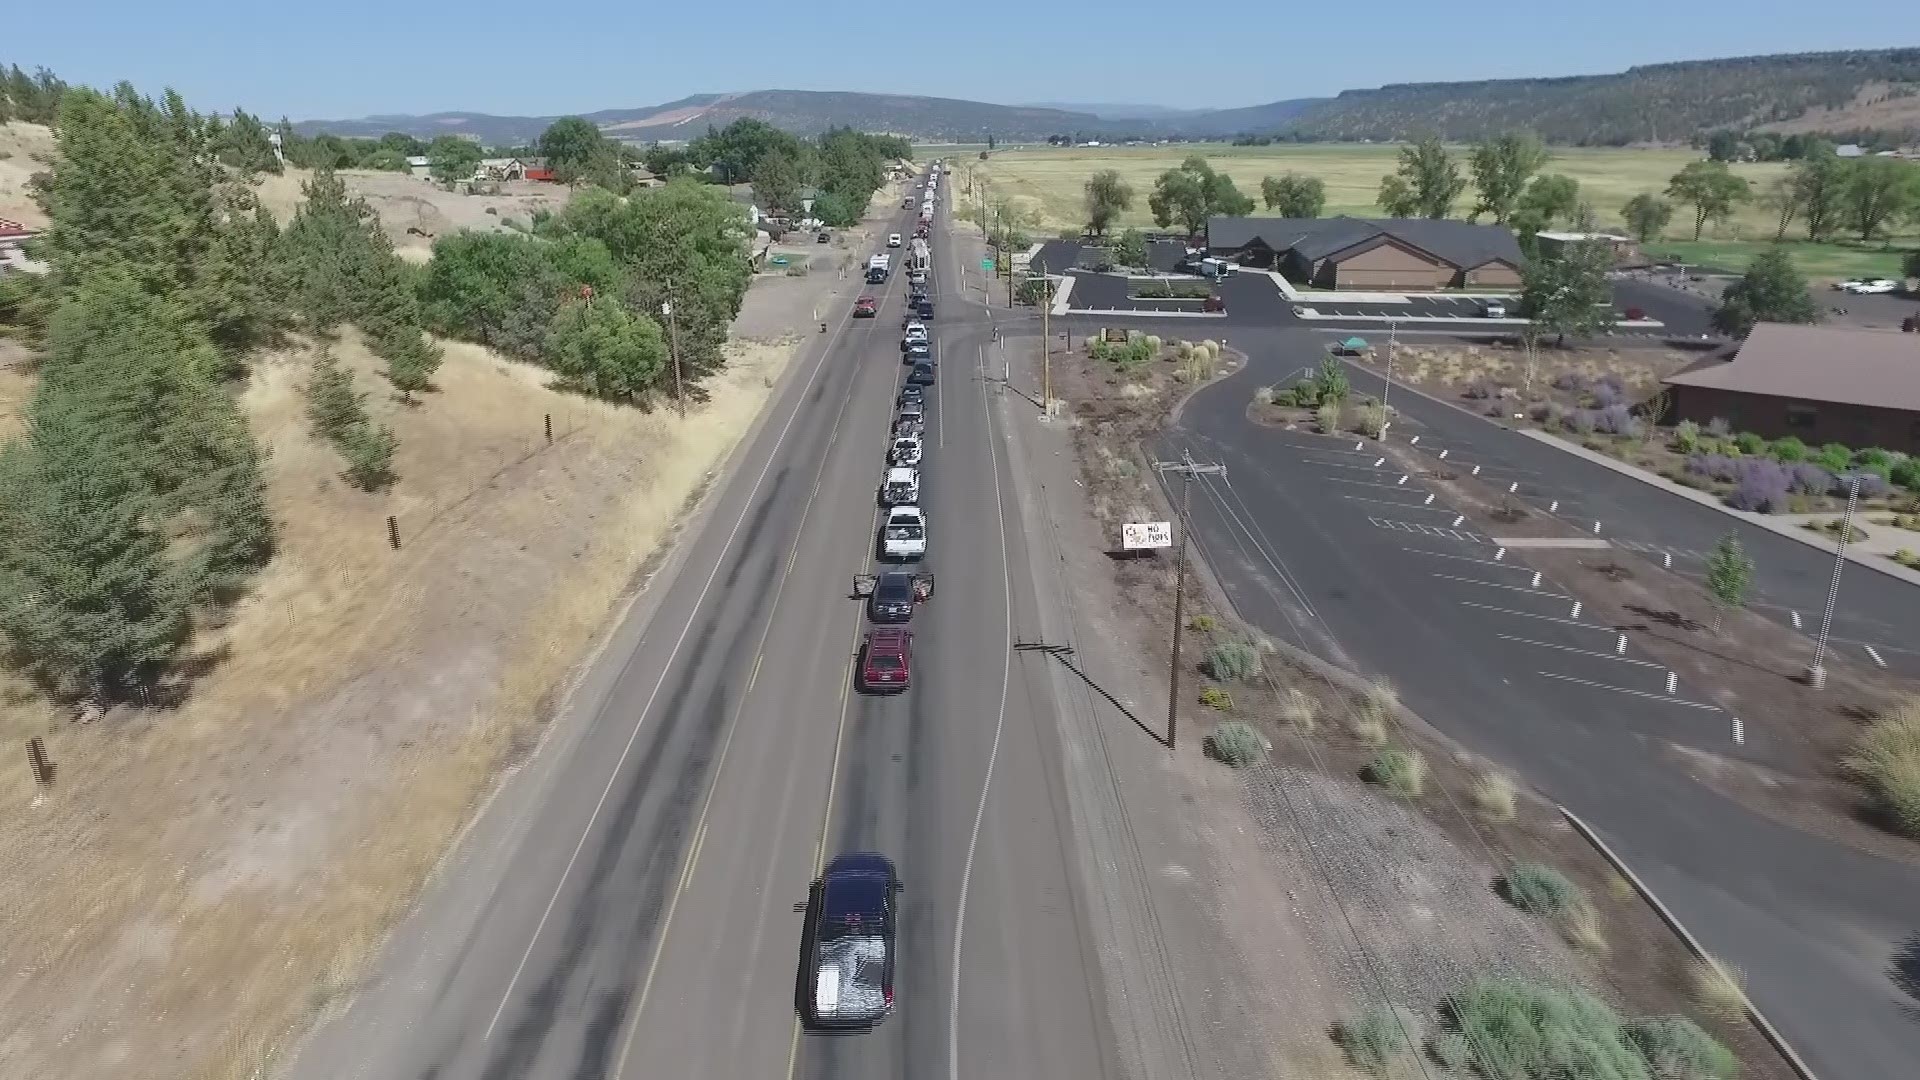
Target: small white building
<point x="1849" y="150"/>
<point x="420" y="165"/>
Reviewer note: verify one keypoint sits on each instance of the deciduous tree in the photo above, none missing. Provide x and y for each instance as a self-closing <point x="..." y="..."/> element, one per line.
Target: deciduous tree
<point x="606" y="349"/>
<point x="1819" y="185"/>
<point x="1711" y="189"/>
<point x="1131" y="250"/>
<point x="1192" y="193"/>
<point x="1772" y="290"/>
<point x="1782" y="199"/>
<point x="776" y="181"/>
<point x="1570" y="293"/>
<point x="1294" y="195"/>
<point x="1552" y="198"/>
<point x="1647" y="216"/>
<point x="1106" y="197"/>
<point x="1878" y="191"/>
<point x="1501" y="168"/>
<point x="568" y="144"/>
<point x="1729" y="576"/>
<point x="1426" y="183"/>
<point x="449" y="157"/>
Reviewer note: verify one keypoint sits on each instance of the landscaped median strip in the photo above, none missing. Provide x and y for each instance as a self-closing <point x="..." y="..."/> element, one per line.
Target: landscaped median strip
<point x="1790" y="530"/>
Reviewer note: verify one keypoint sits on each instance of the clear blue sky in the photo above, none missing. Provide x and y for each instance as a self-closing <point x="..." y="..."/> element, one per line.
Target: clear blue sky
<point x="338" y="59"/>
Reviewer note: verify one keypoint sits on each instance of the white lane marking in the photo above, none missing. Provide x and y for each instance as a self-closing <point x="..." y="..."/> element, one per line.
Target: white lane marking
<point x="1362" y="483"/>
<point x="993" y="755"/>
<point x="1582" y="652"/>
<point x="1467" y="558"/>
<point x="1531" y="615"/>
<point x="1635" y="693"/>
<point x="1399" y="505"/>
<point x="1875" y="655"/>
<point x="1497" y="585"/>
<point x="1739" y="731"/>
<point x="641" y="720"/>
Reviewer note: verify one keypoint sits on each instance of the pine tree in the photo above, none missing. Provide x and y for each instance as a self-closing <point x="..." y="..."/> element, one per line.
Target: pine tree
<point x="334" y="407"/>
<point x="87" y="595"/>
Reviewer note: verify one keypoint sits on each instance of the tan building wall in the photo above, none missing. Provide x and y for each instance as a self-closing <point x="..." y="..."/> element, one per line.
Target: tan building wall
<point x="1494" y="275"/>
<point x="1385" y="266"/>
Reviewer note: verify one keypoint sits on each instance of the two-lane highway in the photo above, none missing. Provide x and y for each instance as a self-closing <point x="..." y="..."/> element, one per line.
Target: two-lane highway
<point x="626" y="907"/>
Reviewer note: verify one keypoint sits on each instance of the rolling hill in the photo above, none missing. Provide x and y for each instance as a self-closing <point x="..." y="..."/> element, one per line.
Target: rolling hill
<point x="803" y="112"/>
<point x="1846" y="91"/>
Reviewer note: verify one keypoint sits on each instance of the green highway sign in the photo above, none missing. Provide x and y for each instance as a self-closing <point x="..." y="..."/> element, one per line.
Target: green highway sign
<point x="986" y="265"/>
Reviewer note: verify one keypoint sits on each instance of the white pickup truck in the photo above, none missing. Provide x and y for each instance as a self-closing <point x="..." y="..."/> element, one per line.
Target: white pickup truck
<point x="901" y="487"/>
<point x="905" y="534"/>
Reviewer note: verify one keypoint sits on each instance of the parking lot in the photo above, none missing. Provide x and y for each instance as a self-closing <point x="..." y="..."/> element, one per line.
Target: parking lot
<point x="1416" y="307"/>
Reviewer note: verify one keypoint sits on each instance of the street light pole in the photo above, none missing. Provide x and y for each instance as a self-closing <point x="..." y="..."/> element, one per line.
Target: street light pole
<point x="1393" y="336"/>
<point x="1817" y="671"/>
<point x="1188" y="469"/>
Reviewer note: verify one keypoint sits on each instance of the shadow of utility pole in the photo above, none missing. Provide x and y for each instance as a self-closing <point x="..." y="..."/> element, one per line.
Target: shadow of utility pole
<point x="1064" y="654"/>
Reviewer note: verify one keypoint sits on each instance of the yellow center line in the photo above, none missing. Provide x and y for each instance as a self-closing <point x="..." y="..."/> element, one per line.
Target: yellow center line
<point x="733" y="723"/>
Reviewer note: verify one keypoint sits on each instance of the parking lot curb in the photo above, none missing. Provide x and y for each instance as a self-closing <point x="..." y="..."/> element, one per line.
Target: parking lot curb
<point x="1792" y="532"/>
<point x="1772" y="1034"/>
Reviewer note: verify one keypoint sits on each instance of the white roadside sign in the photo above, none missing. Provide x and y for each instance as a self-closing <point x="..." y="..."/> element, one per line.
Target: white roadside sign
<point x="1138" y="535"/>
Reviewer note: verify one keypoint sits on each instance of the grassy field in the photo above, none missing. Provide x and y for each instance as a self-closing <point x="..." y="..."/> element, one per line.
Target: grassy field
<point x="1050" y="180"/>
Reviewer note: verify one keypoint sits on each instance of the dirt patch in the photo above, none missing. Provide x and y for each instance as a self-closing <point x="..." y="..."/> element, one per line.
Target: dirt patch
<point x="25" y="149"/>
<point x="1750" y="666"/>
<point x="414" y="210"/>
<point x="1364" y="898"/>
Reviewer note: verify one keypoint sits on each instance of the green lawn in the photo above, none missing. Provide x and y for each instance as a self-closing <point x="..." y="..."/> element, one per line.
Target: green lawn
<point x="1818" y="261"/>
<point x="1050" y="180"/>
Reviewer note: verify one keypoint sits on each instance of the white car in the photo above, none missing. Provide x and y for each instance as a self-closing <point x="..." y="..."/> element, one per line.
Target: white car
<point x="905" y="534"/>
<point x="893" y="239"/>
<point x="905" y="452"/>
<point x="1876" y="285"/>
<point x="901" y="487"/>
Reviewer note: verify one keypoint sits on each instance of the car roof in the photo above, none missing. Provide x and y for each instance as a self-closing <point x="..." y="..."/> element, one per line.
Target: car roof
<point x="886" y="639"/>
<point x="904" y="511"/>
<point x="914" y="439"/>
<point x="901" y="474"/>
<point x="860" y="862"/>
<point x="864" y="300"/>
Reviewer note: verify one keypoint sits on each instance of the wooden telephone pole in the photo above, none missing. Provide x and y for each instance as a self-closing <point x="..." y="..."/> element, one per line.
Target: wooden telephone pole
<point x="1188" y="469"/>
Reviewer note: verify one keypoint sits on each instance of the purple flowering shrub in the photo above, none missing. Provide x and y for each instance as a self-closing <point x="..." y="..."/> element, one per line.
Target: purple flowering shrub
<point x="1762" y="486"/>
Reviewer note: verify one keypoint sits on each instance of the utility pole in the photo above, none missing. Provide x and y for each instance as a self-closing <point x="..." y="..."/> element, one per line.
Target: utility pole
<point x="1817" y="671"/>
<point x="673" y="350"/>
<point x="1188" y="468"/>
<point x="1393" y="331"/>
<point x="1046" y="343"/>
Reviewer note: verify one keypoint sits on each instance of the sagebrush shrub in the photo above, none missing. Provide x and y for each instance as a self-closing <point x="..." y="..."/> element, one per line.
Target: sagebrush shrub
<point x="1236" y="744"/>
<point x="1403" y="772"/>
<point x="1677" y="1047"/>
<point x="1378" y="1037"/>
<point x="1540" y="890"/>
<point x="1232" y="661"/>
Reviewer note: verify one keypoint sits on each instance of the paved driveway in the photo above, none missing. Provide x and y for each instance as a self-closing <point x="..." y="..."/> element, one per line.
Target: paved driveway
<point x="1317" y="547"/>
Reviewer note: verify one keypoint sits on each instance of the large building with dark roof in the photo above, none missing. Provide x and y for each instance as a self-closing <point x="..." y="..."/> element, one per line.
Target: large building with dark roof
<point x="1371" y="253"/>
<point x="1853" y="385"/>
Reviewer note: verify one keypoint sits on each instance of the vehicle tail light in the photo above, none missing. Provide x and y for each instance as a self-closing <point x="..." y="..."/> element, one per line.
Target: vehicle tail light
<point x="887" y="993"/>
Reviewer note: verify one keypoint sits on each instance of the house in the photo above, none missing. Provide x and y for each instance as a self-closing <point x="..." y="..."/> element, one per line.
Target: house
<point x="1849" y="150"/>
<point x="743" y="194"/>
<point x="1622" y="247"/>
<point x="420" y="165"/>
<point x="500" y="169"/>
<point x="13" y="252"/>
<point x="1852" y="385"/>
<point x="1371" y="253"/>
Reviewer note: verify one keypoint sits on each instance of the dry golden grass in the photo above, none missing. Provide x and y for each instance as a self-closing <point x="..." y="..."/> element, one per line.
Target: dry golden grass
<point x="1494" y="796"/>
<point x="1719" y="988"/>
<point x="198" y="881"/>
<point x="1580" y="925"/>
<point x="25" y="149"/>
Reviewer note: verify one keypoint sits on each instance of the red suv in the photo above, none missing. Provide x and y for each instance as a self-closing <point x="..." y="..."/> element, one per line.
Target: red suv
<point x="866" y="308"/>
<point x="887" y="661"/>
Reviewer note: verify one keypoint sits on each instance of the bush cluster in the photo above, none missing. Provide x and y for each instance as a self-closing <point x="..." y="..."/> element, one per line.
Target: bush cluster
<point x="1540" y="890"/>
<point x="1236" y="744"/>
<point x="1517" y="1030"/>
<point x="1403" y="772"/>
<point x="1886" y="761"/>
<point x="1232" y="661"/>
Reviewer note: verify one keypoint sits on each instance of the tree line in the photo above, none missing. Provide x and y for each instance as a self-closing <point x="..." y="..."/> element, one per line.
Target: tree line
<point x="839" y="170"/>
<point x="136" y="502"/>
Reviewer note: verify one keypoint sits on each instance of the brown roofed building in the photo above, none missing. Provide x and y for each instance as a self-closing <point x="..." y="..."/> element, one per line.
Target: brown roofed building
<point x="1822" y="384"/>
<point x="1371" y="253"/>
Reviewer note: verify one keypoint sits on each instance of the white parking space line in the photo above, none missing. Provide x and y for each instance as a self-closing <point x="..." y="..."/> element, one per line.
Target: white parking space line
<point x="1367" y="466"/>
<point x="1875" y="655"/>
<point x="1544" y="618"/>
<point x="1708" y="706"/>
<point x="1876" y="646"/>
<point x="1468" y="558"/>
<point x="1426" y="530"/>
<point x="1363" y="483"/>
<point x="1497" y="585"/>
<point x="1398" y="505"/>
<point x="1580" y="652"/>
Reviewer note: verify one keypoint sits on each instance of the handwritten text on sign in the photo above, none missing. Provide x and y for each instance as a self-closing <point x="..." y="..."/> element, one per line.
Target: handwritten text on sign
<point x="1146" y="534"/>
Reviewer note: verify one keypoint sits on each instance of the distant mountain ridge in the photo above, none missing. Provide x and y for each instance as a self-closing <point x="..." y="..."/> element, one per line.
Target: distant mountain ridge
<point x="1831" y="92"/>
<point x="1845" y="91"/>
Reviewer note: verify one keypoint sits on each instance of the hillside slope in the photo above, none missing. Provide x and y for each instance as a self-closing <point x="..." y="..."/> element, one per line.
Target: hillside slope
<point x="1656" y="103"/>
<point x="803" y="112"/>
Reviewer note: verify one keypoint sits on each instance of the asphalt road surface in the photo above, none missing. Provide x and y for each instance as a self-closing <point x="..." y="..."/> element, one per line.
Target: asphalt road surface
<point x="626" y="907"/>
<point x="1316" y="548"/>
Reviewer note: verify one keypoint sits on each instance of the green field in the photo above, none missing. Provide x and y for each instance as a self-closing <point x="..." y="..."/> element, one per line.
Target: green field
<point x="1049" y="181"/>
